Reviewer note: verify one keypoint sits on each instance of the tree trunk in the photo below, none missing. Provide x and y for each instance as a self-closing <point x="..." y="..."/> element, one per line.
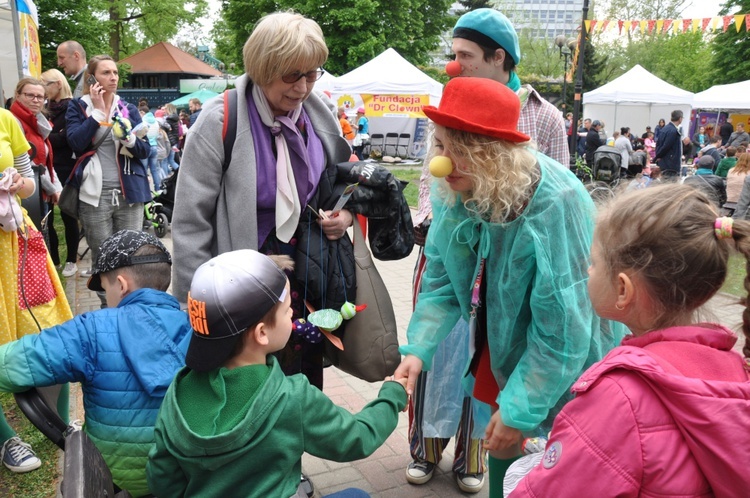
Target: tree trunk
<point x="114" y="30"/>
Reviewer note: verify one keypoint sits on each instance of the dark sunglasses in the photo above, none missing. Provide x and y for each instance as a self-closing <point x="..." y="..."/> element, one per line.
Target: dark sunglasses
<point x="310" y="76"/>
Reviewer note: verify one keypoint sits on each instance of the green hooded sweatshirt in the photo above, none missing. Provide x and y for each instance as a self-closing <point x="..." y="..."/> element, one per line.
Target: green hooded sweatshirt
<point x="242" y="432"/>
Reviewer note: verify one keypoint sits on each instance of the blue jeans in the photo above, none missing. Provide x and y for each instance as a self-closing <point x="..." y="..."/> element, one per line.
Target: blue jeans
<point x="157" y="174"/>
<point x="171" y="162"/>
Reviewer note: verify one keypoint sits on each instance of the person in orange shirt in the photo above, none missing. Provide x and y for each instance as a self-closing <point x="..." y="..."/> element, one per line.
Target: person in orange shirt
<point x="346" y="127"/>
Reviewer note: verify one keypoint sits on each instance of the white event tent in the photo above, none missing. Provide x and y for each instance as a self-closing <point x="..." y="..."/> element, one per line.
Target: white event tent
<point x="724" y="97"/>
<point x="387" y="74"/>
<point x="636" y="99"/>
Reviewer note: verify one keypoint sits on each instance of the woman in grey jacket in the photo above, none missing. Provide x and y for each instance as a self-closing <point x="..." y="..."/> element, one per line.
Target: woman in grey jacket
<point x="288" y="141"/>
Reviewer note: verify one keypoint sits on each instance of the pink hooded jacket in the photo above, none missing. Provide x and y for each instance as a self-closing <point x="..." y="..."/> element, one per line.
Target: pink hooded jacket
<point x="665" y="414"/>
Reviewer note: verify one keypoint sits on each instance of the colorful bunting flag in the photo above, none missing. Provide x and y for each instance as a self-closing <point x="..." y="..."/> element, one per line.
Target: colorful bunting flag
<point x="738" y="20"/>
<point x="655" y="26"/>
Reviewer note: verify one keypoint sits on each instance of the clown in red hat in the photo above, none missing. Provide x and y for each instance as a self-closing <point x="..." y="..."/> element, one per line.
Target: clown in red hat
<point x="507" y="256"/>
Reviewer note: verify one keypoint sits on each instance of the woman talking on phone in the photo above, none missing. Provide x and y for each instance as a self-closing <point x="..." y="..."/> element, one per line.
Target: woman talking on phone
<point x="110" y="169"/>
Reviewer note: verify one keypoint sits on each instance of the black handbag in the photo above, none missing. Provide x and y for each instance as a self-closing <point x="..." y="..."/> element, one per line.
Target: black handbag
<point x="68" y="202"/>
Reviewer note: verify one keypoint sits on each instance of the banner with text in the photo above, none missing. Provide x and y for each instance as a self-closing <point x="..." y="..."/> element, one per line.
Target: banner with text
<point x="28" y="23"/>
<point x="193" y="85"/>
<point x="392" y="106"/>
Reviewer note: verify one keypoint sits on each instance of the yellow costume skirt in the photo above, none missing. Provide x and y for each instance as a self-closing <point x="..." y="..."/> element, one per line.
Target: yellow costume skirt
<point x="29" y="284"/>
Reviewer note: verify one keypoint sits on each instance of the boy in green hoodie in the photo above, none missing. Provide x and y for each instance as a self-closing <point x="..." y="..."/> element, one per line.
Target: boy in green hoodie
<point x="232" y="424"/>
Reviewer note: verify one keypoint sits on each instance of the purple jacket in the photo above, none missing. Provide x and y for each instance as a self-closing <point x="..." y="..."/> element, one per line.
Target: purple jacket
<point x="665" y="414"/>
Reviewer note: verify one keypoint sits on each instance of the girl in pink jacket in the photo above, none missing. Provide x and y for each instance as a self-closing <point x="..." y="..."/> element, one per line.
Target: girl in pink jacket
<point x="667" y="412"/>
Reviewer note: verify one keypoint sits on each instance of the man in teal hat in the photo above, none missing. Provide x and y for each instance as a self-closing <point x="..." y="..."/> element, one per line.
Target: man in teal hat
<point x="486" y="46"/>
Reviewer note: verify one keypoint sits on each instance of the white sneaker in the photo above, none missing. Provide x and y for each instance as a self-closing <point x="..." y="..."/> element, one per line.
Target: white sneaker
<point x="85" y="273"/>
<point x="70" y="269"/>
<point x="18" y="456"/>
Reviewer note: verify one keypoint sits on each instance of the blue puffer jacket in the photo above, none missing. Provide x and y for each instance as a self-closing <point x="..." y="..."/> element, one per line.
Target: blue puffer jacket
<point x="124" y="358"/>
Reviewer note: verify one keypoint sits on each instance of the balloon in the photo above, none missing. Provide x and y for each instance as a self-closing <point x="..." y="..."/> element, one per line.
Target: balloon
<point x="453" y="68"/>
<point x="441" y="166"/>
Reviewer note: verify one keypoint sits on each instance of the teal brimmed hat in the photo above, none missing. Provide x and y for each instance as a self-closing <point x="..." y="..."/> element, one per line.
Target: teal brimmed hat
<point x="489" y="28"/>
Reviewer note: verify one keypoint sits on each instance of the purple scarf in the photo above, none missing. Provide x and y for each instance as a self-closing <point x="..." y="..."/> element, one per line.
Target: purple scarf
<point x="308" y="161"/>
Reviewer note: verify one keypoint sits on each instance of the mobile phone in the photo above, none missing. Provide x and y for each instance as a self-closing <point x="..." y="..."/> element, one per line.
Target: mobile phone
<point x="91" y="80"/>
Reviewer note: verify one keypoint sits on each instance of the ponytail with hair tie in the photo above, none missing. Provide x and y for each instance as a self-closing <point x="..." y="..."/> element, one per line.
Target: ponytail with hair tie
<point x="723" y="227"/>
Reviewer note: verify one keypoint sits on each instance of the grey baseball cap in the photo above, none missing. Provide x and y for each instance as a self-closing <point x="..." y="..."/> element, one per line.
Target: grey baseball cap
<point x="117" y="252"/>
<point x="228" y="294"/>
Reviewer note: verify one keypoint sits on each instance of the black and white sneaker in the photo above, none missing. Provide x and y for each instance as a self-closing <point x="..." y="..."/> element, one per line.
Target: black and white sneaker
<point x="18" y="456"/>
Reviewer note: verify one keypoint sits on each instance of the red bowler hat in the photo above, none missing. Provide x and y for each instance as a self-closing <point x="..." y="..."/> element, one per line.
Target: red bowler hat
<point x="479" y="105"/>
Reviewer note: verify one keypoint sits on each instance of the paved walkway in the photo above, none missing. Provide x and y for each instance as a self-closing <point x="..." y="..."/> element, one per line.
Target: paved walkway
<point x="382" y="474"/>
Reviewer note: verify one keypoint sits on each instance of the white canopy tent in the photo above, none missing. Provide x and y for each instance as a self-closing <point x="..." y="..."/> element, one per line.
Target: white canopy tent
<point x="386" y="74"/>
<point x="724" y="97"/>
<point x="9" y="66"/>
<point x="325" y="83"/>
<point x="636" y="99"/>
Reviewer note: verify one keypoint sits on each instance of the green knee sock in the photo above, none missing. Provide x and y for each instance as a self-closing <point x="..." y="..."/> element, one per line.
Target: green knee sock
<point x="498" y="467"/>
<point x="63" y="403"/>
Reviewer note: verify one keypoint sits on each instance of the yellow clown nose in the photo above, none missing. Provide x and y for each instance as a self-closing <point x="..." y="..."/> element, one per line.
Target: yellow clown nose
<point x="441" y="166"/>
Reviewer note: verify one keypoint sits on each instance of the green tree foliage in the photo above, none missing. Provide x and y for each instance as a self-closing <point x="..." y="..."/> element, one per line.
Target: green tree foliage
<point x="594" y="67"/>
<point x="731" y="50"/>
<point x="136" y="24"/>
<point x="682" y="59"/>
<point x="355" y="30"/>
<point x="61" y="20"/>
<point x="469" y="5"/>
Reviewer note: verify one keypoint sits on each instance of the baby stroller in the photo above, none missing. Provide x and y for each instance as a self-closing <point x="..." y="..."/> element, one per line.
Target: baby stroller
<point x="165" y="196"/>
<point x="607" y="164"/>
<point x="157" y="213"/>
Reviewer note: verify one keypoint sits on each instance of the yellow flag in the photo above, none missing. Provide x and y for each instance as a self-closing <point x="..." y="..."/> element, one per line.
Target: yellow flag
<point x="643" y="26"/>
<point x="659" y="25"/>
<point x="696" y="24"/>
<point x="587" y="22"/>
<point x="738" y="20"/>
<point x="714" y="23"/>
<point x="676" y="26"/>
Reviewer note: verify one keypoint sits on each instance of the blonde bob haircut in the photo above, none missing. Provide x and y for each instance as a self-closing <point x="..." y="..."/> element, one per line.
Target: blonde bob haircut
<point x="57" y="76"/>
<point x="503" y="174"/>
<point x="282" y="43"/>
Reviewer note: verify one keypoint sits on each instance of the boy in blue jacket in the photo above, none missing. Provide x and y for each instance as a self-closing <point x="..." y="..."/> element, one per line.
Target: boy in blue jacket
<point x="124" y="356"/>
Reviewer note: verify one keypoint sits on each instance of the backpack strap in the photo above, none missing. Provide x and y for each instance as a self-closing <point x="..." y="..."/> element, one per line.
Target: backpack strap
<point x="229" y="130"/>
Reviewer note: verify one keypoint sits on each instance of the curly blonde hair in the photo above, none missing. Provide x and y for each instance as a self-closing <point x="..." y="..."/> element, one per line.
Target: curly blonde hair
<point x="503" y="174"/>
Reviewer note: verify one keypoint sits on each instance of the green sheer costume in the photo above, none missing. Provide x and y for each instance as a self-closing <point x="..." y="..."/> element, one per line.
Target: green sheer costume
<point x="542" y="331"/>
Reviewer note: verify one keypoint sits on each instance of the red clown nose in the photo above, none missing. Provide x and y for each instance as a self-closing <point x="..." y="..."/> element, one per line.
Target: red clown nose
<point x="453" y="69"/>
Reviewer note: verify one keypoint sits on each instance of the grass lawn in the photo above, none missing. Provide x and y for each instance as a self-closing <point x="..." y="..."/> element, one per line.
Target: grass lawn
<point x="734" y="284"/>
<point x="42" y="482"/>
<point x="411" y="175"/>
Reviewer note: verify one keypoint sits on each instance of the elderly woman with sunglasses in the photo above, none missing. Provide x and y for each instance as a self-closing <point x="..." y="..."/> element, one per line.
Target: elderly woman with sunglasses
<point x="288" y="142"/>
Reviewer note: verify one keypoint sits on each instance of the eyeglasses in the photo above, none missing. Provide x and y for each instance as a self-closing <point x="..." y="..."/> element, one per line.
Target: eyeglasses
<point x="310" y="76"/>
<point x="33" y="96"/>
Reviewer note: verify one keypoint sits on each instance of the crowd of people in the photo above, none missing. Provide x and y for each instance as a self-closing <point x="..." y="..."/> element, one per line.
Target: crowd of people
<point x="569" y="339"/>
<point x="706" y="161"/>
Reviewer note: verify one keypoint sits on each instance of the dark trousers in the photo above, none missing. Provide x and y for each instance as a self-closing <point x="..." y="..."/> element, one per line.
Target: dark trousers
<point x="71" y="237"/>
